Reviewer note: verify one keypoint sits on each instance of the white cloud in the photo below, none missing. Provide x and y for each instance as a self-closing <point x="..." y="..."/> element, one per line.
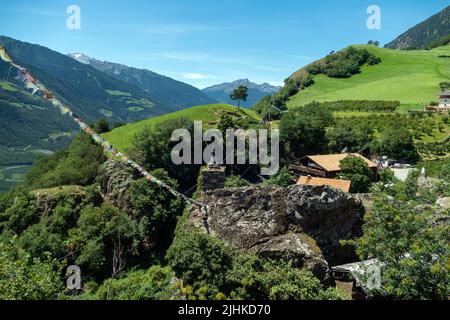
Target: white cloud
<point x="197" y="76"/>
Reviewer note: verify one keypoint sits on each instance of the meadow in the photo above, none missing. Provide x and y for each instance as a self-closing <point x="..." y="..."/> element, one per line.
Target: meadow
<point x="411" y="77"/>
<point x="122" y="137"/>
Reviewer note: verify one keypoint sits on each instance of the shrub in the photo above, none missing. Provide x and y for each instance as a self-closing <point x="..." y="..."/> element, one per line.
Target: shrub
<point x="356" y="170"/>
<point x="343" y="64"/>
<point x="152" y="284"/>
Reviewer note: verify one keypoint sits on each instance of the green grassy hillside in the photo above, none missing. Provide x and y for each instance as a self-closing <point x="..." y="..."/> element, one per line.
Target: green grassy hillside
<point x="122" y="137"/>
<point x="411" y="77"/>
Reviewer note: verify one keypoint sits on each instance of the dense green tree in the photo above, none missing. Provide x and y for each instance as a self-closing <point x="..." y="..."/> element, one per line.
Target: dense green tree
<point x="445" y="171"/>
<point x="152" y="284"/>
<point x="213" y="270"/>
<point x="397" y="142"/>
<point x="23" y="277"/>
<point x="152" y="148"/>
<point x="302" y="131"/>
<point x="154" y="209"/>
<point x="226" y="122"/>
<point x="239" y="94"/>
<point x="356" y="170"/>
<point x="350" y="137"/>
<point x="101" y="126"/>
<point x="343" y="64"/>
<point x="19" y="214"/>
<point x="414" y="254"/>
<point x="282" y="179"/>
<point x="104" y="238"/>
<point x="77" y="165"/>
<point x="200" y="260"/>
<point x="256" y="278"/>
<point x="234" y="181"/>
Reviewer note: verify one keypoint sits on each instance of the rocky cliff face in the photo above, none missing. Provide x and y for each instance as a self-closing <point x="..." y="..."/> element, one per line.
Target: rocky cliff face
<point x="115" y="178"/>
<point x="300" y="223"/>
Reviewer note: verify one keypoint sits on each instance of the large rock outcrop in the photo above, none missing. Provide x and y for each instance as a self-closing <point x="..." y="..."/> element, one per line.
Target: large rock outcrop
<point x="115" y="179"/>
<point x="303" y="224"/>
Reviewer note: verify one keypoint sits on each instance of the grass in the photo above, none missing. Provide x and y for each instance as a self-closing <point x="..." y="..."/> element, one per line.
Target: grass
<point x="52" y="192"/>
<point x="122" y="137"/>
<point x="348" y="114"/>
<point x="411" y="77"/>
<point x="135" y="109"/>
<point x="11" y="176"/>
<point x="107" y="113"/>
<point x="7" y="86"/>
<point x="432" y="167"/>
<point x="118" y="93"/>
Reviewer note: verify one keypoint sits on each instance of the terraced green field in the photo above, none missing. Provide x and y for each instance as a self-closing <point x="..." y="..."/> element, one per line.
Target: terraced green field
<point x="411" y="77"/>
<point x="11" y="176"/>
<point x="122" y="137"/>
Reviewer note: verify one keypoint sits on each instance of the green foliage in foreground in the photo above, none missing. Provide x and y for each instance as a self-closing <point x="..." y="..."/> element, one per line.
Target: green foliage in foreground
<point x="152" y="284"/>
<point x="153" y="147"/>
<point x="23" y="277"/>
<point x="212" y="270"/>
<point x="415" y="254"/>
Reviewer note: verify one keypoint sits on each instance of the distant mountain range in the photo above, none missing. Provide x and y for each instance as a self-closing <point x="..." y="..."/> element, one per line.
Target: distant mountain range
<point x="93" y="91"/>
<point x="164" y="91"/>
<point x="221" y="92"/>
<point x="425" y="33"/>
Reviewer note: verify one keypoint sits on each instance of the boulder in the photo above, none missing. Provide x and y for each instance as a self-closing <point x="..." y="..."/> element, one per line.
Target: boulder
<point x="115" y="179"/>
<point x="47" y="199"/>
<point x="303" y="224"/>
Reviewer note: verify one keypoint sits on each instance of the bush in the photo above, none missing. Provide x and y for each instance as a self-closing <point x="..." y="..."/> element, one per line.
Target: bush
<point x="152" y="148"/>
<point x="414" y="253"/>
<point x="200" y="260"/>
<point x="397" y="143"/>
<point x="152" y="284"/>
<point x="261" y="279"/>
<point x="101" y="234"/>
<point x="25" y="278"/>
<point x="234" y="181"/>
<point x="154" y="209"/>
<point x="212" y="270"/>
<point x="445" y="171"/>
<point x="343" y="64"/>
<point x="77" y="165"/>
<point x="361" y="106"/>
<point x="282" y="179"/>
<point x="356" y="170"/>
<point x="302" y="131"/>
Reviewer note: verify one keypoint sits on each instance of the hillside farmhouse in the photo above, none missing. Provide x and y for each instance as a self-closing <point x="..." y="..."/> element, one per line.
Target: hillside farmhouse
<point x="325" y="166"/>
<point x="343" y="185"/>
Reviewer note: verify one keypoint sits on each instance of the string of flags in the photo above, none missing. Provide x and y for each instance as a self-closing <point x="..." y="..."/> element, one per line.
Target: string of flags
<point x="38" y="88"/>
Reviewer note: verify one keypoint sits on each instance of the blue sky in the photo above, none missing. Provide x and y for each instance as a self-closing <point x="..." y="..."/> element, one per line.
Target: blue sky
<point x="204" y="42"/>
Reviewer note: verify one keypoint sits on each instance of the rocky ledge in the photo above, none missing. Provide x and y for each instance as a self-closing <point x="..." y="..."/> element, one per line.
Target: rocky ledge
<point x="303" y="224"/>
